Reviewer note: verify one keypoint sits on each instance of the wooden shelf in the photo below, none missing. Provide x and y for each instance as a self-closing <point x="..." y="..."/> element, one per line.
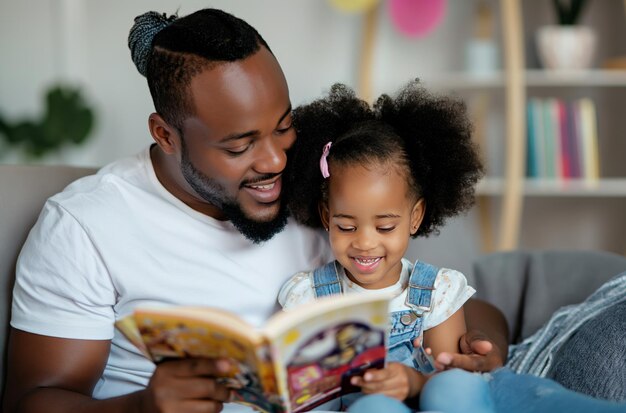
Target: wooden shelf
<point x="606" y="187"/>
<point x="594" y="77"/>
<point x="533" y="78"/>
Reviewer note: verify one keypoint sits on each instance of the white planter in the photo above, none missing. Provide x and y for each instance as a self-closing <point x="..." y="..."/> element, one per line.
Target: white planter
<point x="566" y="47"/>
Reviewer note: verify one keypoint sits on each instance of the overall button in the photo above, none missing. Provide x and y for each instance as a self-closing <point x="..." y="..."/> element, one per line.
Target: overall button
<point x="407" y="319"/>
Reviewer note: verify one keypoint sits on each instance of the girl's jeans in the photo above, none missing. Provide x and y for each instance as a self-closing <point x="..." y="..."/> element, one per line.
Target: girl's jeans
<point x="458" y="391"/>
<point x="507" y="392"/>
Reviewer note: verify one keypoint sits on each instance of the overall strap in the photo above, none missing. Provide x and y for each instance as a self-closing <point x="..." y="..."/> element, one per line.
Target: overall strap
<point x="421" y="286"/>
<point x="326" y="280"/>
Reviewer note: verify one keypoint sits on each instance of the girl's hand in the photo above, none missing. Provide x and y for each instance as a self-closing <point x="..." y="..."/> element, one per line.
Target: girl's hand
<point x="396" y="380"/>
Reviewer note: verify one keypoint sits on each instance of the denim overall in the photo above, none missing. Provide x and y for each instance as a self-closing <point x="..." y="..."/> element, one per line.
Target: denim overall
<point x="406" y="325"/>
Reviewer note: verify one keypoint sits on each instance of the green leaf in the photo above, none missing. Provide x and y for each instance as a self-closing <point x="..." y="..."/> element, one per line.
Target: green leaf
<point x="67" y="119"/>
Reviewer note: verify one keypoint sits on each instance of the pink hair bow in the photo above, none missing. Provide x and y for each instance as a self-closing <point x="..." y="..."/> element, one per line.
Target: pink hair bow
<point x="324" y="161"/>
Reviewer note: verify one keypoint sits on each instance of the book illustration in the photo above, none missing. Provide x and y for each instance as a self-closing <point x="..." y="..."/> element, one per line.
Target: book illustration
<point x="322" y="367"/>
<point x="298" y="360"/>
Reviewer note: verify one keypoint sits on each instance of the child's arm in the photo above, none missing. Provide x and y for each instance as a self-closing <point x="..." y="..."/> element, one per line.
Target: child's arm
<point x="445" y="337"/>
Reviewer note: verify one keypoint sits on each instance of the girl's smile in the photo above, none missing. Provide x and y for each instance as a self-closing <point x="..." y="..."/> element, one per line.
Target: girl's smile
<point x="367" y="264"/>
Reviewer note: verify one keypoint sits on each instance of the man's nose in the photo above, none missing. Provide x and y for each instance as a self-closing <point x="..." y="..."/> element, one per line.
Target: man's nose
<point x="272" y="157"/>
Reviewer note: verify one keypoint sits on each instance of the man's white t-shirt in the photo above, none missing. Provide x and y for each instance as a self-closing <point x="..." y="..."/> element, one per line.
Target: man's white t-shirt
<point x="118" y="239"/>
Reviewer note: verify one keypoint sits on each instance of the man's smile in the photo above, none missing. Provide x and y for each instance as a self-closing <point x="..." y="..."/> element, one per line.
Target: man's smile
<point x="265" y="191"/>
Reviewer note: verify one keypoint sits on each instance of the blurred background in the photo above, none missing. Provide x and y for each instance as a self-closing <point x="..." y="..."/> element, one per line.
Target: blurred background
<point x="556" y="178"/>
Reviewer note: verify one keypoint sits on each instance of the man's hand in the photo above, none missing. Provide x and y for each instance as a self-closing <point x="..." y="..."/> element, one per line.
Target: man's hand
<point x="478" y="353"/>
<point x="188" y="385"/>
<point x="396" y="380"/>
<point x="57" y="375"/>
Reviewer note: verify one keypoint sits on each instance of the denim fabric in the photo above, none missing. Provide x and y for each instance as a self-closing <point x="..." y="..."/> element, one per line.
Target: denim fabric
<point x="377" y="403"/>
<point x="536" y="354"/>
<point x="593" y="360"/>
<point x="457" y="391"/>
<point x="401" y="336"/>
<point x="514" y="393"/>
<point x="326" y="281"/>
<point x="503" y="391"/>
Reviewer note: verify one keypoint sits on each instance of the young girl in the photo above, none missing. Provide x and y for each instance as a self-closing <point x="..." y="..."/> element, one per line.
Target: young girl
<point x="374" y="177"/>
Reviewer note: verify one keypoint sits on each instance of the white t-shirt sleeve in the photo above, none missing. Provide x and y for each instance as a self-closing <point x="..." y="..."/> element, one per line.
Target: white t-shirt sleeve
<point x="296" y="291"/>
<point x="62" y="288"/>
<point x="451" y="292"/>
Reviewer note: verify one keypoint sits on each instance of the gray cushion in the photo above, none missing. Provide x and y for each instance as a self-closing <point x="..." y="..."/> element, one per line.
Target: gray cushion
<point x="529" y="286"/>
<point x="23" y="191"/>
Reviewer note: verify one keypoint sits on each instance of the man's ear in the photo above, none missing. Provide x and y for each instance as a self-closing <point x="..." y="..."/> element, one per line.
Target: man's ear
<point x="322" y="207"/>
<point x="163" y="134"/>
<point x="417" y="215"/>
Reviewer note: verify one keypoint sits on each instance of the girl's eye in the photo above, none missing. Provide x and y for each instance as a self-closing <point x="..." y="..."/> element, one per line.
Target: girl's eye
<point x="345" y="229"/>
<point x="386" y="229"/>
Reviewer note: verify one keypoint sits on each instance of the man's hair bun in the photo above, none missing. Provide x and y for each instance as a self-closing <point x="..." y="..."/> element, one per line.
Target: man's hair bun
<point x="142" y="34"/>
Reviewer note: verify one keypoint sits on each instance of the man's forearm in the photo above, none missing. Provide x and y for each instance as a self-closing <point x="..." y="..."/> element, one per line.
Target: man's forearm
<point x="480" y="315"/>
<point x="52" y="400"/>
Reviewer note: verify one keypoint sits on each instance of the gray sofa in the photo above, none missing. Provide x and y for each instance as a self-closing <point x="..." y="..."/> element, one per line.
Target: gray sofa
<point x="23" y="191"/>
<point x="527" y="286"/>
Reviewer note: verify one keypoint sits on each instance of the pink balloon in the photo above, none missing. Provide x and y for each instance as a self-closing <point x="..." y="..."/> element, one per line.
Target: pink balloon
<point x="415" y="18"/>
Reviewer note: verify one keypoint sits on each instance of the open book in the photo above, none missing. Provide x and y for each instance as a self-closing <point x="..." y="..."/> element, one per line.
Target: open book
<point x="300" y="359"/>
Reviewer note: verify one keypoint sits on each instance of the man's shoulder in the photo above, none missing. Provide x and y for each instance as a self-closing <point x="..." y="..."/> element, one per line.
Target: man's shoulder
<point x="102" y="188"/>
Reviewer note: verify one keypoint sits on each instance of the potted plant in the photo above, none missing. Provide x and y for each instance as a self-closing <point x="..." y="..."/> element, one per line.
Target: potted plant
<point x="568" y="45"/>
<point x="67" y="119"/>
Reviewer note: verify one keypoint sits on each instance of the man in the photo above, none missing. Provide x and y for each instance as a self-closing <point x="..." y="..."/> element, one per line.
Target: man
<point x="165" y="227"/>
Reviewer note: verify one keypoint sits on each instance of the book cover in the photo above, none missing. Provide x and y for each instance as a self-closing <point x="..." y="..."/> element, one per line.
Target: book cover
<point x="539" y="135"/>
<point x="579" y="134"/>
<point x="588" y="123"/>
<point x="548" y="140"/>
<point x="298" y="360"/>
<point x="554" y="159"/>
<point x="573" y="140"/>
<point x="532" y="157"/>
<point x="563" y="140"/>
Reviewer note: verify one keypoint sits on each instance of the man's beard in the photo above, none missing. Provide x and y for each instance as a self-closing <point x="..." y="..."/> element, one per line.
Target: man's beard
<point x="215" y="194"/>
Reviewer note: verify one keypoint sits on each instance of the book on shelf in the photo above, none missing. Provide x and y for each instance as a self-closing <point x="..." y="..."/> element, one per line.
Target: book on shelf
<point x="564" y="138"/>
<point x="589" y="139"/>
<point x="562" y="141"/>
<point x="573" y="143"/>
<point x="547" y="140"/>
<point x="298" y="360"/>
<point x="535" y="132"/>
